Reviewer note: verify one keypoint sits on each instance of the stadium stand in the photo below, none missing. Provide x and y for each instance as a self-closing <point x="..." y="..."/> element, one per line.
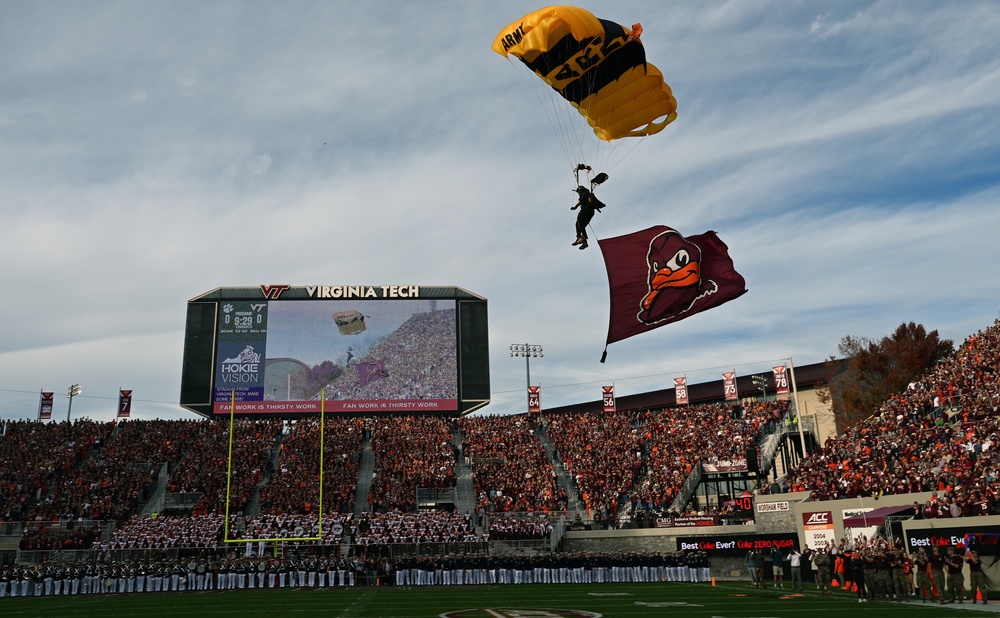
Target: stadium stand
<point x="511" y="471"/>
<point x="939" y="435"/>
<point x="57" y="480"/>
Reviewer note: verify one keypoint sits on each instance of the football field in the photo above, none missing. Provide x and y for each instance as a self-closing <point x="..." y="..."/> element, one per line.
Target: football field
<point x="736" y="599"/>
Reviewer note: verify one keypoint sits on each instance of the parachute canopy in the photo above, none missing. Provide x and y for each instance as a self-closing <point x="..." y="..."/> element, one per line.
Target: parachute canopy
<point x="349" y="322"/>
<point x="597" y="65"/>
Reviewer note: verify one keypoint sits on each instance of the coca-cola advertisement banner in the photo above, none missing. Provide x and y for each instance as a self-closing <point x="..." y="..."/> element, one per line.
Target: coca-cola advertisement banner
<point x="737" y="544"/>
<point x="983" y="539"/>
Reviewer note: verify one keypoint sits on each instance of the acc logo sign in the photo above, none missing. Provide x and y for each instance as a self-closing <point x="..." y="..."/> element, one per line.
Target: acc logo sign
<point x="817" y="519"/>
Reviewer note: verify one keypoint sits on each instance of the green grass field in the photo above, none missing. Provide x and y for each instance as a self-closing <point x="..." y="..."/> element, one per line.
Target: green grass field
<point x="523" y="601"/>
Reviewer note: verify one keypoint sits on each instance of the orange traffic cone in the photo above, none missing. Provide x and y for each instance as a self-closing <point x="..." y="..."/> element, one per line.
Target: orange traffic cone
<point x="979" y="593"/>
<point x="713" y="581"/>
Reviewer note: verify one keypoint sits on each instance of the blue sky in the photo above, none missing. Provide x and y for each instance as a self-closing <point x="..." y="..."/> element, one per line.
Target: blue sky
<point x="847" y="152"/>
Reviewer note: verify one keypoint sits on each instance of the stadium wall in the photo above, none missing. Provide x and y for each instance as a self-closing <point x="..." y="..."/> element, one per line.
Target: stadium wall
<point x="770" y="520"/>
<point x="790" y="513"/>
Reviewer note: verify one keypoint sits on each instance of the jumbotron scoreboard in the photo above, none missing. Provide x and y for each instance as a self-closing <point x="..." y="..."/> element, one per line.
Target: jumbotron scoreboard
<point x="290" y="351"/>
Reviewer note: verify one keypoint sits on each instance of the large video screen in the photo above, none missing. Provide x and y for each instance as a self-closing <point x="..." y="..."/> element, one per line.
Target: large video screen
<point x="289" y="356"/>
<point x="303" y="350"/>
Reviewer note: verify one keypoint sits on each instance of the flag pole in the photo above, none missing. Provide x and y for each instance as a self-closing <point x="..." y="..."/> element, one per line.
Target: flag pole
<point x="798" y="410"/>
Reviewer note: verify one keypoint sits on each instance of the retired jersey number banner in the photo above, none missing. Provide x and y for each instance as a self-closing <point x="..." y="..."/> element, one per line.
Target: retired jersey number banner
<point x="681" y="391"/>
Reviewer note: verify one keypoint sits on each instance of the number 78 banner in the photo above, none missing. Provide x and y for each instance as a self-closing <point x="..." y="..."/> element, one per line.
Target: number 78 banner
<point x="781" y="379"/>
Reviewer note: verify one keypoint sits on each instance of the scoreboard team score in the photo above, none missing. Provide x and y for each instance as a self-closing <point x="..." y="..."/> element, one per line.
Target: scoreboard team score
<point x="283" y="350"/>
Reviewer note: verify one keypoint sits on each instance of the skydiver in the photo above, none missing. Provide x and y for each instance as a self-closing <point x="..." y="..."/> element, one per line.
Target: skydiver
<point x="588" y="205"/>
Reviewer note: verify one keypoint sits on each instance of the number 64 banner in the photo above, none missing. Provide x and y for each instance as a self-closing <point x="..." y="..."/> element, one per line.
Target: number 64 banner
<point x="534" y="399"/>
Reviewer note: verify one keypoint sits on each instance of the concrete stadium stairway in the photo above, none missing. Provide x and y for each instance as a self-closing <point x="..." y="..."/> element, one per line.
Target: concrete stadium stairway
<point x="465" y="488"/>
<point x="365" y="472"/>
<point x="564" y="480"/>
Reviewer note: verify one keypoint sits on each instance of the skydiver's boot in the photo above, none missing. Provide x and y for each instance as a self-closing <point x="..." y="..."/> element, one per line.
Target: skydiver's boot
<point x="577" y="241"/>
<point x="583" y="245"/>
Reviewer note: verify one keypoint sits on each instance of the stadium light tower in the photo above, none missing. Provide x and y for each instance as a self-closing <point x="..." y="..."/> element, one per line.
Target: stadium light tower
<point x="528" y="351"/>
<point x="72" y="392"/>
<point x="761" y="382"/>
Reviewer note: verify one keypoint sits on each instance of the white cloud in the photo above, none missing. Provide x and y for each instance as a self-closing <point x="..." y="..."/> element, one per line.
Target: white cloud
<point x="846" y="154"/>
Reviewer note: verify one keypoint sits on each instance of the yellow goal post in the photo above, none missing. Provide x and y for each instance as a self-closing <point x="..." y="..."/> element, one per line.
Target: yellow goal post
<point x="229" y="480"/>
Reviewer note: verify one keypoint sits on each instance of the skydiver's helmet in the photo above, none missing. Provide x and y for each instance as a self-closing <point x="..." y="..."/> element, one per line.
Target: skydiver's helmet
<point x="582" y="191"/>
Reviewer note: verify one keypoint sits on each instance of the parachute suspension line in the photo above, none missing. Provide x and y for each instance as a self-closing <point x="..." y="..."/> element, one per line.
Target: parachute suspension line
<point x="559" y="115"/>
<point x="616" y="153"/>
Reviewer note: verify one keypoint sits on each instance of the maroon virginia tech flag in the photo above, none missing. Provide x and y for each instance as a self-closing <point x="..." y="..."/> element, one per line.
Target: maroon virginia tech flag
<point x="370" y="372"/>
<point x="657" y="277"/>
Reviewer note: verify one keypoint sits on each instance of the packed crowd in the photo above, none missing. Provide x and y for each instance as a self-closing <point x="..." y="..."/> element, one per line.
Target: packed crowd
<point x="419" y="360"/>
<point x="510" y="469"/>
<point x="36" y="456"/>
<point x="119" y="474"/>
<point x="166" y="532"/>
<point x="330" y="530"/>
<point x="294" y="486"/>
<point x="49" y="536"/>
<point x="939" y="435"/>
<point x="507" y="527"/>
<point x="603" y="453"/>
<point x="394" y="527"/>
<point x="675" y="443"/>
<point x="206" y="467"/>
<point x="410" y="452"/>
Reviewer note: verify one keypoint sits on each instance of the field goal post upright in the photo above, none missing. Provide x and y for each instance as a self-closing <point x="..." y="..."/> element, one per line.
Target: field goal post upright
<point x="229" y="481"/>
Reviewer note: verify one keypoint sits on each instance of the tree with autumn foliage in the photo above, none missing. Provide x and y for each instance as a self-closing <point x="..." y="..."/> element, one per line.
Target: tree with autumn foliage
<point x="872" y="371"/>
<point x="306" y="383"/>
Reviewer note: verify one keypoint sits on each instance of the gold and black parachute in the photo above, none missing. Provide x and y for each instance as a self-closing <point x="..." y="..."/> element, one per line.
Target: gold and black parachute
<point x="596" y="65"/>
<point x="349" y="322"/>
